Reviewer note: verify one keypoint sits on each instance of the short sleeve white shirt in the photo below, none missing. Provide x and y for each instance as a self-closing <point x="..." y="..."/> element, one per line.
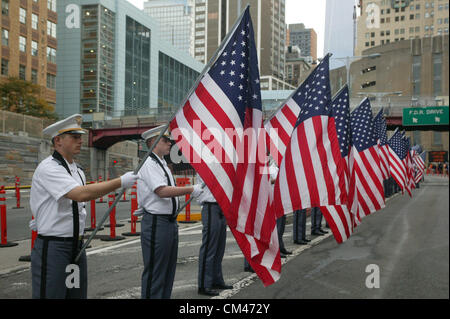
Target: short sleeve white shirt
<point x="51" y="210"/>
<point x="152" y="176"/>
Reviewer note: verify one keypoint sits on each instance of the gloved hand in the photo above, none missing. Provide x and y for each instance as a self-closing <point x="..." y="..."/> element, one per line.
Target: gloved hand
<point x="128" y="179"/>
<point x="197" y="190"/>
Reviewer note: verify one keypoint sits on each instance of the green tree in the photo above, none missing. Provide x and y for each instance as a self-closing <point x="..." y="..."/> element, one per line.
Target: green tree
<point x="24" y="97"/>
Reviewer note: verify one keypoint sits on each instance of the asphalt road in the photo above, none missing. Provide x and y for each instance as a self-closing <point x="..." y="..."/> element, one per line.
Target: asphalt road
<point x="408" y="241"/>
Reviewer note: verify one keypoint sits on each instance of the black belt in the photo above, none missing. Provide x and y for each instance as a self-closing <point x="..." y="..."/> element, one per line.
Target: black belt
<point x="54" y="238"/>
<point x="170" y="217"/>
<point x="210" y="203"/>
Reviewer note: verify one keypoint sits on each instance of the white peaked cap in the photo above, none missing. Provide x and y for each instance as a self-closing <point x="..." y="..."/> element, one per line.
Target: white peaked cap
<point x="72" y="124"/>
<point x="154" y="132"/>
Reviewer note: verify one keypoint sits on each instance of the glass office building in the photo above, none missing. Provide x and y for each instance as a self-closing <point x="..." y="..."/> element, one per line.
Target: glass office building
<point x="175" y="19"/>
<point x="113" y="62"/>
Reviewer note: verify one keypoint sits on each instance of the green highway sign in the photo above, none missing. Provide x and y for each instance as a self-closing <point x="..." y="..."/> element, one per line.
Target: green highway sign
<point x="430" y="115"/>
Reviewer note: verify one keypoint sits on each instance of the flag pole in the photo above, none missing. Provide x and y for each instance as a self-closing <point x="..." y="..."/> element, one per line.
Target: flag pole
<point x="165" y="128"/>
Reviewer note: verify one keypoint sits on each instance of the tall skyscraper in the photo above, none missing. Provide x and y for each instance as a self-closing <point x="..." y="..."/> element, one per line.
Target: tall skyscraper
<point x="175" y="19"/>
<point x="383" y="22"/>
<point x="338" y="30"/>
<point x="214" y="18"/>
<point x="304" y="38"/>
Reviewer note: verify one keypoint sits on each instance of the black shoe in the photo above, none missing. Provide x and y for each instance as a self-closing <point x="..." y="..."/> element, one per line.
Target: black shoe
<point x="207" y="292"/>
<point x="285" y="252"/>
<point x="317" y="233"/>
<point x="222" y="286"/>
<point x="248" y="269"/>
<point x="323" y="231"/>
<point x="307" y="240"/>
<point x="282" y="256"/>
<point x="301" y="242"/>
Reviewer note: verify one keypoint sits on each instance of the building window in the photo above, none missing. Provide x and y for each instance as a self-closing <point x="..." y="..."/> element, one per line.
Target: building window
<point x="22" y="72"/>
<point x="437" y="138"/>
<point x="368" y="84"/>
<point x="137" y="75"/>
<point x="22" y="15"/>
<point x="51" y="5"/>
<point x="51" y="55"/>
<point x="5" y="65"/>
<point x="51" y="81"/>
<point x="34" y="21"/>
<point x="5" y="7"/>
<point x="34" y="48"/>
<point x="51" y="29"/>
<point x="5" y="37"/>
<point x="417" y="64"/>
<point x="22" y="44"/>
<point x="416" y="137"/>
<point x="34" y="76"/>
<point x="369" y="69"/>
<point x="437" y="74"/>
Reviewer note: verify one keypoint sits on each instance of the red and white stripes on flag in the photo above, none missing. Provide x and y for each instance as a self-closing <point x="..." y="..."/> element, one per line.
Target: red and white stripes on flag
<point x="339" y="217"/>
<point x="410" y="173"/>
<point x="281" y="125"/>
<point x="397" y="160"/>
<point x="419" y="166"/>
<point x="220" y="131"/>
<point x="309" y="176"/>
<point x="398" y="169"/>
<point x="366" y="182"/>
<point x="418" y="160"/>
<point x="366" y="193"/>
<point x="383" y="153"/>
<point x="279" y="129"/>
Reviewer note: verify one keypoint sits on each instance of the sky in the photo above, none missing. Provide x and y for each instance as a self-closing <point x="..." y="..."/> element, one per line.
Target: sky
<point x="309" y="12"/>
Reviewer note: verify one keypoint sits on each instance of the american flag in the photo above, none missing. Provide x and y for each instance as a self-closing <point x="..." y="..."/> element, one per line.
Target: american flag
<point x="366" y="182"/>
<point x="383" y="148"/>
<point x="281" y="125"/>
<point x="311" y="170"/>
<point x="220" y="130"/>
<point x="397" y="159"/>
<point x="418" y="165"/>
<point x="410" y="185"/>
<point x="339" y="217"/>
<point x="419" y="160"/>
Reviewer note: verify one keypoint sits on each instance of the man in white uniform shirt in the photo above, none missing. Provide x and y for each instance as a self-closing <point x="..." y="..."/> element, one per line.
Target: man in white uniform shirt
<point x="58" y="193"/>
<point x="157" y="198"/>
<point x="214" y="236"/>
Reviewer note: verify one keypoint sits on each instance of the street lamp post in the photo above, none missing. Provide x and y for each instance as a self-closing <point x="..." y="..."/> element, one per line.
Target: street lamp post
<point x="347" y="60"/>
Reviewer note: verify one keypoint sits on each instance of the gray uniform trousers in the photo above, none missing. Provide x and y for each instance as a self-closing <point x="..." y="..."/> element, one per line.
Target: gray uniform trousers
<point x="214" y="236"/>
<point x="299" y="225"/>
<point x="159" y="243"/>
<point x="316" y="219"/>
<point x="281" y="224"/>
<point x="49" y="259"/>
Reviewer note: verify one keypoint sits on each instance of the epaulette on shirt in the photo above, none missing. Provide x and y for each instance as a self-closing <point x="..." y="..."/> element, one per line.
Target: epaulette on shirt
<point x="57" y="161"/>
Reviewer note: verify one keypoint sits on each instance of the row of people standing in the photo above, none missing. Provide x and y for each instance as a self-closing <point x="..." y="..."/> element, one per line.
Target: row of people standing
<point x="57" y="197"/>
